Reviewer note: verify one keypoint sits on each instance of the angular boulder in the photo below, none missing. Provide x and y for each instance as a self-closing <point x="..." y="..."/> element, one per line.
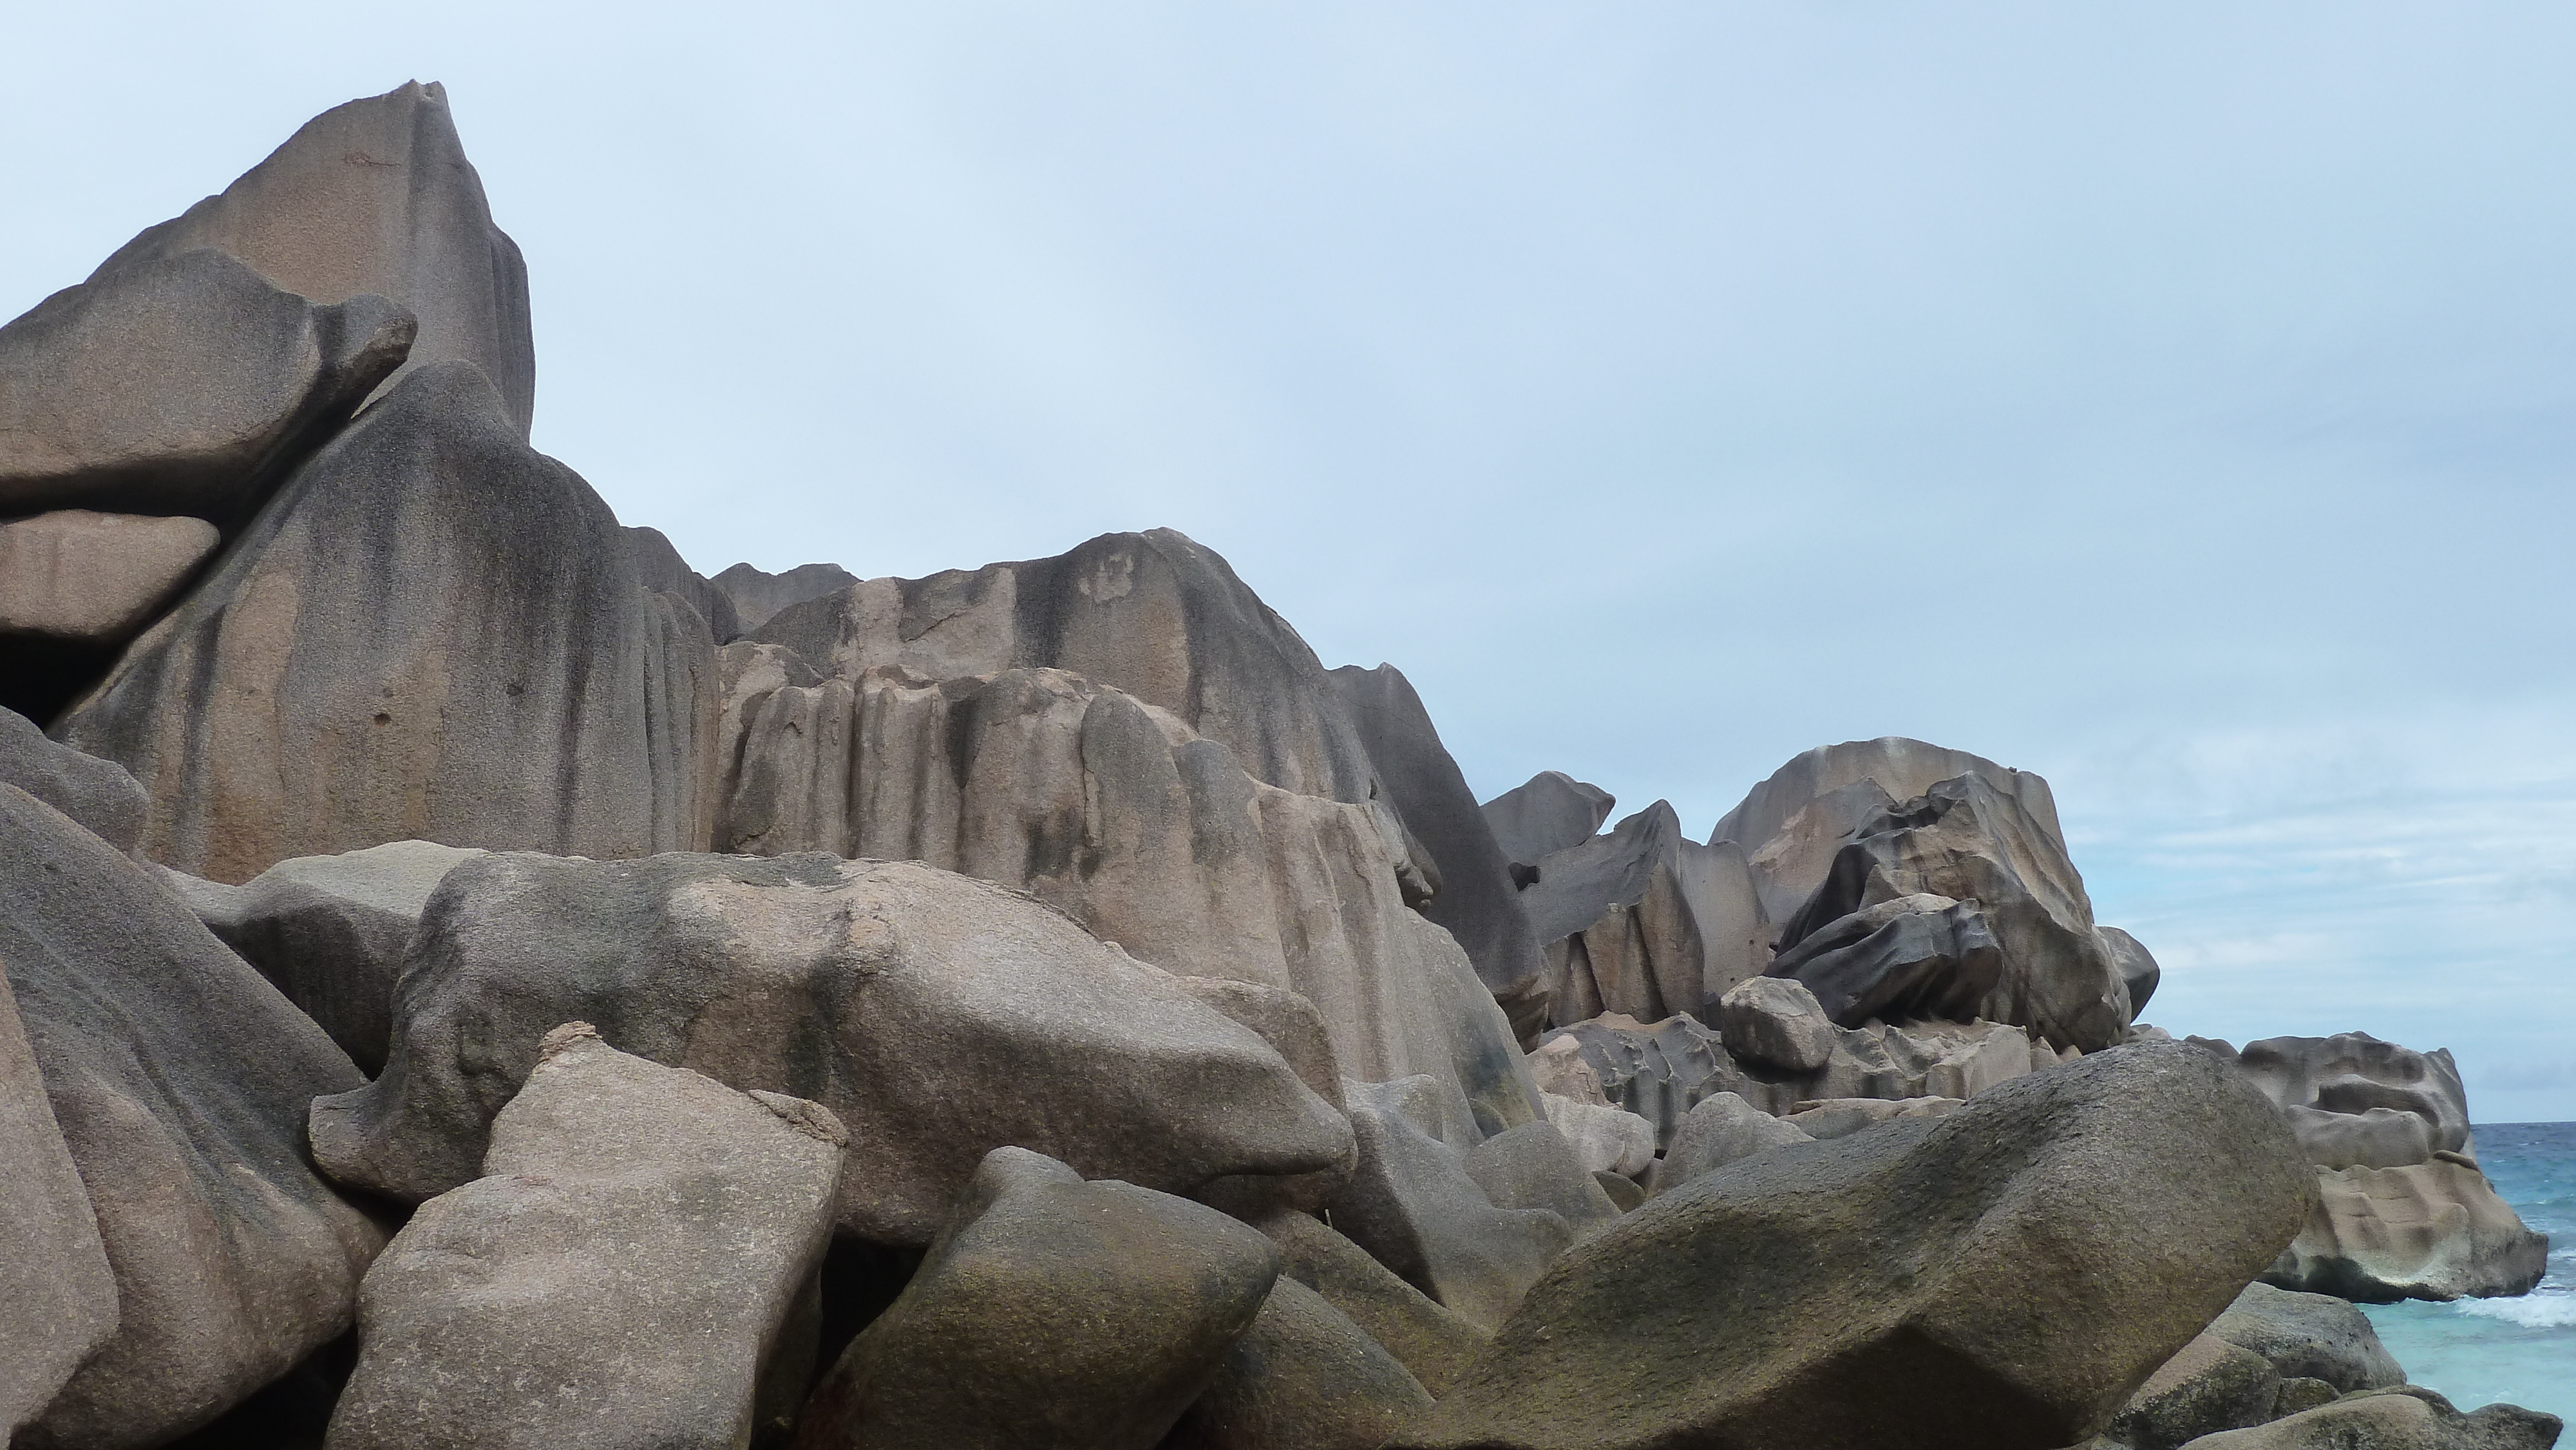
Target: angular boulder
<point x="93" y="578"/>
<point x="938" y="1016"/>
<point x="1605" y="1139"/>
<point x="1303" y="1377"/>
<point x="1548" y="813"/>
<point x="1905" y="959"/>
<point x="180" y="381"/>
<point x="1776" y="1022"/>
<point x="2136" y="966"/>
<point x="1050" y="1311"/>
<point x="2210" y="1386"/>
<point x="100" y="795"/>
<point x="2309" y="1336"/>
<point x="1533" y="1166"/>
<point x="54" y="1274"/>
<point x="1721" y="1129"/>
<point x="179" y="1079"/>
<point x="2406" y="1418"/>
<point x="1477" y="901"/>
<point x="431" y="632"/>
<point x="1965" y="839"/>
<point x="1645" y="921"/>
<point x="376" y="196"/>
<point x="330" y="932"/>
<point x="1433" y="1344"/>
<point x="622" y="1274"/>
<point x="2004" y="1277"/>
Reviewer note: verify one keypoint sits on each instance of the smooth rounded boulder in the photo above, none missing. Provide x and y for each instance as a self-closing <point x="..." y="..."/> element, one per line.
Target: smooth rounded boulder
<point x="1050" y="1311"/>
<point x="2003" y="1278"/>
<point x="1303" y="1377"/>
<point x="939" y="1016"/>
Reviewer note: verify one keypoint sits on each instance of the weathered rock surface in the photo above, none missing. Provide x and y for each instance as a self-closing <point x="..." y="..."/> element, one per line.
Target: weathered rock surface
<point x="1476" y="901"/>
<point x="94" y="578"/>
<point x="1548" y="813"/>
<point x="1303" y="1377"/>
<point x="2359" y="1102"/>
<point x="1905" y="959"/>
<point x="1414" y="1206"/>
<point x="1645" y="921"/>
<point x="757" y="596"/>
<point x="1721" y="1129"/>
<point x="2136" y="966"/>
<point x="1152" y="615"/>
<point x="100" y="795"/>
<point x="939" y="1017"/>
<point x="2309" y="1336"/>
<point x="1965" y="839"/>
<point x="1433" y="1344"/>
<point x="621" y="1275"/>
<point x="179" y="381"/>
<point x="1842" y="1117"/>
<point x="330" y="932"/>
<point x="2411" y="1418"/>
<point x="1776" y="1022"/>
<point x="2427" y="1231"/>
<point x="1148" y="834"/>
<point x="1533" y="1166"/>
<point x="2003" y="1277"/>
<point x="54" y="1275"/>
<point x="2210" y="1386"/>
<point x="376" y="196"/>
<point x="1605" y="1139"/>
<point x="1052" y="1312"/>
<point x="431" y="632"/>
<point x="179" y="1080"/>
<point x="659" y="567"/>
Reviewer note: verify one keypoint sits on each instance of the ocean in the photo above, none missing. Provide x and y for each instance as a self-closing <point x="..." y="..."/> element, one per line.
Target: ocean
<point x="2478" y="1351"/>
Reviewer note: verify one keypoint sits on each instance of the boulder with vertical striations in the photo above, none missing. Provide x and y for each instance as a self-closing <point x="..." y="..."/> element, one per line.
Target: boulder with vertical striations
<point x="179" y="1079"/>
<point x="431" y="632"/>
<point x="2003" y="1278"/>
<point x="622" y="1274"/>
<point x="1645" y="921"/>
<point x="54" y="1275"/>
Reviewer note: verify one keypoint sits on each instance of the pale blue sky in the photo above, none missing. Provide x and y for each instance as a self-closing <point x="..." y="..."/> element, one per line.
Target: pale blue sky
<point x="2178" y="400"/>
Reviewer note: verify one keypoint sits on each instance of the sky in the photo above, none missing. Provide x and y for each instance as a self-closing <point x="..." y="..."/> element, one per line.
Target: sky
<point x="2176" y="400"/>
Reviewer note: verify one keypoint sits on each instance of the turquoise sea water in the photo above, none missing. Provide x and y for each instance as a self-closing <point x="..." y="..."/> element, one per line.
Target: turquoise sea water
<point x="2477" y="1351"/>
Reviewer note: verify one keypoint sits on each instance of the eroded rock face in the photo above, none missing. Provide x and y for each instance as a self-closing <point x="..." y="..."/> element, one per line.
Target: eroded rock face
<point x="432" y="633"/>
<point x="2427" y="1231"/>
<point x="1965" y="839"/>
<point x="1722" y="1128"/>
<point x="1148" y="833"/>
<point x="100" y="795"/>
<point x="757" y="596"/>
<point x="179" y="1080"/>
<point x="2409" y="1418"/>
<point x="1476" y="900"/>
<point x="376" y="196"/>
<point x="1904" y="959"/>
<point x="1303" y="1377"/>
<point x="330" y="932"/>
<point x="2359" y="1102"/>
<point x="621" y="1274"/>
<point x="660" y="568"/>
<point x="92" y="578"/>
<point x="1645" y="921"/>
<point x="179" y="381"/>
<point x="1050" y="1311"/>
<point x="1548" y="813"/>
<point x="1979" y="1273"/>
<point x="54" y="1274"/>
<point x="880" y="990"/>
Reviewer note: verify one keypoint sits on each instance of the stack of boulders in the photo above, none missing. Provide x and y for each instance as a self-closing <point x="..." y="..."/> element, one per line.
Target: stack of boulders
<point x="466" y="978"/>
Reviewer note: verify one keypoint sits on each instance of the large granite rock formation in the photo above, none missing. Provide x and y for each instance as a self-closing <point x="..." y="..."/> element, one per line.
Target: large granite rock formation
<point x="1146" y="832"/>
<point x="1050" y="1311"/>
<point x="622" y="1274"/>
<point x="659" y="567"/>
<point x="179" y="381"/>
<point x="1645" y="921"/>
<point x="90" y="578"/>
<point x="1965" y="839"/>
<point x="2002" y="1277"/>
<point x="54" y="1274"/>
<point x="100" y="795"/>
<point x="757" y="596"/>
<point x="1548" y="813"/>
<point x="938" y="1016"/>
<point x="1434" y="1344"/>
<point x="179" y="1079"/>
<point x="2402" y="1209"/>
<point x="376" y="196"/>
<point x="1476" y="899"/>
<point x="430" y="632"/>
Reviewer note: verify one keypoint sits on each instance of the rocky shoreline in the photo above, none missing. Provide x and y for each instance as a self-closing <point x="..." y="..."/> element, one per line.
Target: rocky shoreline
<point x="472" y="980"/>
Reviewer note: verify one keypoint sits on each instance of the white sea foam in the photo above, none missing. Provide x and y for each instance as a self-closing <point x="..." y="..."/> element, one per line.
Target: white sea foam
<point x="2532" y="1311"/>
